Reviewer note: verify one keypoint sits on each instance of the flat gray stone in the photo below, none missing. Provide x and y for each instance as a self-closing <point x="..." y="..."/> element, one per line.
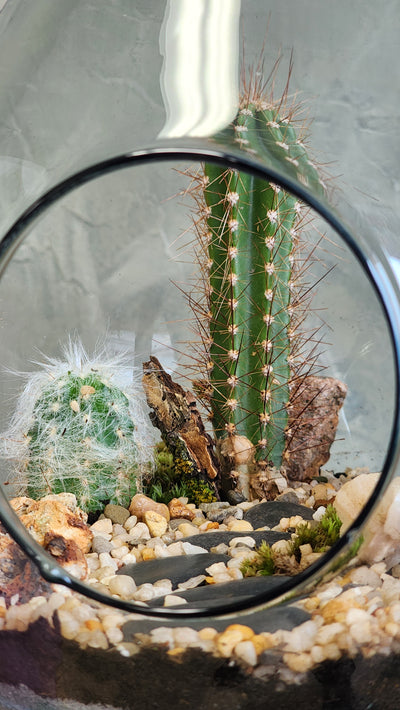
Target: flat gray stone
<point x="271" y="512"/>
<point x="214" y="538"/>
<point x="178" y="568"/>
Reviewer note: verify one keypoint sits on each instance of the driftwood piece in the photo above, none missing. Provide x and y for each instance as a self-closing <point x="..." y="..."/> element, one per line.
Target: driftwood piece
<point x="313" y="419"/>
<point x="175" y="414"/>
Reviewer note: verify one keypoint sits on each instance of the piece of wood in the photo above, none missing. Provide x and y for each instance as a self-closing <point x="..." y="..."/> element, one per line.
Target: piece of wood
<point x="175" y="414"/>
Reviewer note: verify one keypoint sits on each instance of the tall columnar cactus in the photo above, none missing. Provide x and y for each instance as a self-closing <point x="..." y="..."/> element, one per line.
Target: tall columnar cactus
<point x="79" y="429"/>
<point x="248" y="231"/>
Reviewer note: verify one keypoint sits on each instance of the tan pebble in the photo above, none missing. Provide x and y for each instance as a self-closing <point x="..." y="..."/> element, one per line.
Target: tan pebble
<point x="239" y="526"/>
<point x="317" y="654"/>
<point x="122" y="585"/>
<point x="332" y="652"/>
<point x="336" y="610"/>
<point x="130" y="522"/>
<point x="361" y="632"/>
<point x="185" y="636"/>
<point x="311" y="603"/>
<point x="246" y="631"/>
<point x="208" y="633"/>
<point x="212" y="525"/>
<point x="246" y="652"/>
<point x="120" y="552"/>
<point x="174" y="600"/>
<point x="93" y="624"/>
<point x="227" y="640"/>
<point x="177" y="509"/>
<point x="112" y="620"/>
<point x="156" y="523"/>
<point x="392" y="629"/>
<point x="114" y="636"/>
<point x="327" y="633"/>
<point x="261" y="643"/>
<point x="163" y="635"/>
<point x="140" y="503"/>
<point x="98" y="640"/>
<point x="299" y="662"/>
<point x="176" y="652"/>
<point x="104" y="525"/>
<point x="187" y="529"/>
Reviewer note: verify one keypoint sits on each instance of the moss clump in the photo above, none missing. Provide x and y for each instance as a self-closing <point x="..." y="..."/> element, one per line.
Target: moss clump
<point x="261" y="565"/>
<point x="321" y="536"/>
<point x="174" y="478"/>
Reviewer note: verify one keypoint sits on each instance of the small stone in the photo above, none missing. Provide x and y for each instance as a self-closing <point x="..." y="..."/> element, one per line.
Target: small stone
<point x="139" y="533"/>
<point x="100" y="544"/>
<point x="178" y="510"/>
<point x="298" y="662"/>
<point x="116" y="513"/>
<point x="173" y="600"/>
<point x="140" y="503"/>
<point x="123" y="586"/>
<point x="103" y="525"/>
<point x="245" y="540"/>
<point x="246" y="652"/>
<point x="156" y="523"/>
<point x="130" y="522"/>
<point x="187" y="529"/>
<point x="240" y="526"/>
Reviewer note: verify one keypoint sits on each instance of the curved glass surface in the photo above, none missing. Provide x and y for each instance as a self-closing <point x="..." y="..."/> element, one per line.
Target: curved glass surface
<point x="107" y="256"/>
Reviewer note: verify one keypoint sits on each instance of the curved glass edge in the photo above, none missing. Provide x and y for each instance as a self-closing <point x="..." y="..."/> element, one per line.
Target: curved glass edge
<point x="374" y="262"/>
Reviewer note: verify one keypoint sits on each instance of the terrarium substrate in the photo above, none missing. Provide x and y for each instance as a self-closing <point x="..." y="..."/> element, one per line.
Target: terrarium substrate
<point x="336" y="647"/>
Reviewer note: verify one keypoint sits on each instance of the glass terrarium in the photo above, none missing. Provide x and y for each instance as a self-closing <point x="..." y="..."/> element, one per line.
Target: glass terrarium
<point x="199" y="354"/>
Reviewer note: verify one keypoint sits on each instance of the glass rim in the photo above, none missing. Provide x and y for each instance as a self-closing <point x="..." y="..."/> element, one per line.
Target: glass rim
<point x="380" y="277"/>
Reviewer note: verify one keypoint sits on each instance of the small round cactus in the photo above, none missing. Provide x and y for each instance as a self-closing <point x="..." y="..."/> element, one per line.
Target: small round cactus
<point x="79" y="429"/>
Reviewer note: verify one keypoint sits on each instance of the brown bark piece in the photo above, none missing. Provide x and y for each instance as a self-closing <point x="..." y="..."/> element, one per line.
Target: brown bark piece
<point x="313" y="420"/>
<point x="176" y="415"/>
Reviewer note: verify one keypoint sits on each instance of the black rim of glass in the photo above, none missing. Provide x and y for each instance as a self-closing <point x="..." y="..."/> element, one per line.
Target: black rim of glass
<point x="49" y="569"/>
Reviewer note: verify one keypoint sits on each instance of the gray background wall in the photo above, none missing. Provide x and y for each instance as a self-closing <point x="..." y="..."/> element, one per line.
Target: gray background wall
<point x="80" y="81"/>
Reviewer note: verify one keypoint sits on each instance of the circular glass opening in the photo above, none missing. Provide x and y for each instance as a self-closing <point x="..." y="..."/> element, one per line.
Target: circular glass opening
<point x="202" y="339"/>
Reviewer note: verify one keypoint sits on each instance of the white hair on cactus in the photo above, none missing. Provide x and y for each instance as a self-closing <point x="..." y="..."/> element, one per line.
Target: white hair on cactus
<point x="63" y="443"/>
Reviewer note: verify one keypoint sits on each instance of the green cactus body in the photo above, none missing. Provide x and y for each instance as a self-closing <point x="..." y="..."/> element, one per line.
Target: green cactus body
<point x="81" y="441"/>
<point x="251" y="238"/>
<point x="80" y="427"/>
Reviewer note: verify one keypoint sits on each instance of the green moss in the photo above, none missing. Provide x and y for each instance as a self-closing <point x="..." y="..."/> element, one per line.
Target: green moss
<point x="321" y="536"/>
<point x="174" y="478"/>
<point x="261" y="565"/>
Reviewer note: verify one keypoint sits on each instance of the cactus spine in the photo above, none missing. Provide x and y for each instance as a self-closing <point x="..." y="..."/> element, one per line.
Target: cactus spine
<point x="80" y="432"/>
<point x="249" y="242"/>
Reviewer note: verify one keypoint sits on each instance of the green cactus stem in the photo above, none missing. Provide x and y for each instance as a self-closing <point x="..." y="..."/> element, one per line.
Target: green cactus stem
<point x="80" y="432"/>
<point x="250" y="237"/>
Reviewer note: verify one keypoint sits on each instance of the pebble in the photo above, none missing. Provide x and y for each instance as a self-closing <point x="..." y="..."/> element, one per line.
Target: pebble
<point x="116" y="513"/>
<point x="156" y="523"/>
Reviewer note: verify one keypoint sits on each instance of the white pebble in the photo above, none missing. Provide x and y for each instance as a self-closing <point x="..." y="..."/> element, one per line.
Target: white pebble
<point x="319" y="513"/>
<point x="130" y="522"/>
<point x="246" y="541"/>
<point x="144" y="593"/>
<point x="163" y="635"/>
<point x="102" y="526"/>
<point x="106" y="560"/>
<point x="122" y="585"/>
<point x="174" y="600"/>
<point x="245" y="651"/>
